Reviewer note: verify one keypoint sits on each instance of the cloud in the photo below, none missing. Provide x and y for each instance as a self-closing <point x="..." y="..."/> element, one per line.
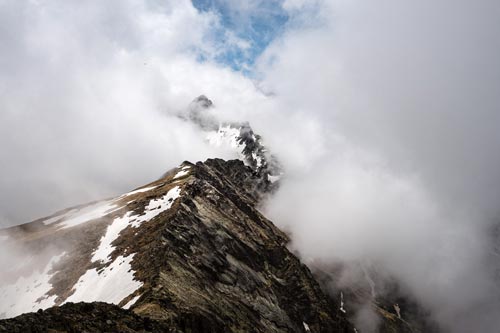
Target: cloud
<point x="246" y="28"/>
<point x="89" y="94"/>
<point x="396" y="159"/>
<point x="385" y="116"/>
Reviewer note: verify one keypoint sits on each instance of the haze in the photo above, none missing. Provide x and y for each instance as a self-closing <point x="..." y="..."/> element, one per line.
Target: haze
<point x="385" y="116"/>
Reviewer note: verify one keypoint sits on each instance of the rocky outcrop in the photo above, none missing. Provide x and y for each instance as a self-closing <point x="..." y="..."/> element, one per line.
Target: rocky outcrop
<point x="219" y="257"/>
<point x="85" y="317"/>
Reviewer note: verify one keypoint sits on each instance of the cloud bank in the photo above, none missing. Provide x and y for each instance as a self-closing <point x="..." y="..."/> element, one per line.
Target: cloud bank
<point x="397" y="158"/>
<point x="385" y="116"/>
<point x="89" y="93"/>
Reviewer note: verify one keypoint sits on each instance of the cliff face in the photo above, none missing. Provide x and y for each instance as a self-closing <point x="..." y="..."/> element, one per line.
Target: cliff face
<point x="190" y="249"/>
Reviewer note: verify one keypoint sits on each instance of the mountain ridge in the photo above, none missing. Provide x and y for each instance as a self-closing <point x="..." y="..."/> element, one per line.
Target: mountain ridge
<point x="190" y="250"/>
<point x="211" y="242"/>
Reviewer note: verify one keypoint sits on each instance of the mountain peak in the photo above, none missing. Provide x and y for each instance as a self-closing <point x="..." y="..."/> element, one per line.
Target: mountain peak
<point x="203" y="101"/>
<point x="198" y="113"/>
<point x="237" y="135"/>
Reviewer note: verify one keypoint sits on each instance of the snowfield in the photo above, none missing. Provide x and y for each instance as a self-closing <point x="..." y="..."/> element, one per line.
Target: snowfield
<point x="228" y="136"/>
<point x="28" y="293"/>
<point x="112" y="284"/>
<point x="154" y="208"/>
<point x="141" y="190"/>
<point x="184" y="171"/>
<point x="88" y="213"/>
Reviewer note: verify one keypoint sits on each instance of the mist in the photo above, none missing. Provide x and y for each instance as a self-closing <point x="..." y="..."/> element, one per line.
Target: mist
<point x="90" y="95"/>
<point x="396" y="106"/>
<point x="384" y="116"/>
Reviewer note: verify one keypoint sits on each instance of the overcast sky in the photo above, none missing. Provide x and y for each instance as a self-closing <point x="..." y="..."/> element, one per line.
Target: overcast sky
<point x="385" y="113"/>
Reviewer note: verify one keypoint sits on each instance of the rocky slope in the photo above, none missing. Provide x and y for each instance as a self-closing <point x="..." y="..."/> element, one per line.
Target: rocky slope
<point x="189" y="252"/>
<point x="190" y="248"/>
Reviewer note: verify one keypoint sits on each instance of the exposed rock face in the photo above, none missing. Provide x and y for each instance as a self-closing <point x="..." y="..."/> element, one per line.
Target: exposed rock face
<point x="220" y="256"/>
<point x="85" y="317"/>
<point x="209" y="263"/>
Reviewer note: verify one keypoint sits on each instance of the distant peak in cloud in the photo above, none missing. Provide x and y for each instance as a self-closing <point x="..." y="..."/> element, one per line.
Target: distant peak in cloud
<point x="203" y="101"/>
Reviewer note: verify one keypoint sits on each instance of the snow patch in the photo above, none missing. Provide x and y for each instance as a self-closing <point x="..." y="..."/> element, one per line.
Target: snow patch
<point x="273" y="179"/>
<point x="58" y="217"/>
<point x="153" y="209"/>
<point x="141" y="190"/>
<point x="111" y="285"/>
<point x="79" y="216"/>
<point x="131" y="302"/>
<point x="184" y="171"/>
<point x="28" y="294"/>
<point x="157" y="206"/>
<point x="105" y="248"/>
<point x="258" y="159"/>
<point x="342" y="302"/>
<point x="228" y="136"/>
<point x="306" y="327"/>
<point x="398" y="310"/>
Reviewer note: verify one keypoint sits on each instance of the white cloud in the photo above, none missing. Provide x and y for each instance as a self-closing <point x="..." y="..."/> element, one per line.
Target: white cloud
<point x="404" y="98"/>
<point x="384" y="114"/>
<point x="88" y="92"/>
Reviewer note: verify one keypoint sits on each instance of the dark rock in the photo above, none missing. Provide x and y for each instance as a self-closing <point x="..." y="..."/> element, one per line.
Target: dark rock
<point x="211" y="263"/>
<point x="85" y="317"/>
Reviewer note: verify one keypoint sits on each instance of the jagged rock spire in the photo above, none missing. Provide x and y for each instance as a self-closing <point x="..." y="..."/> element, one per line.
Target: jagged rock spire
<point x="237" y="135"/>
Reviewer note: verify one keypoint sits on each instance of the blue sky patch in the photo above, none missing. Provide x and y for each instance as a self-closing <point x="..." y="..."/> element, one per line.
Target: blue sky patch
<point x="247" y="29"/>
